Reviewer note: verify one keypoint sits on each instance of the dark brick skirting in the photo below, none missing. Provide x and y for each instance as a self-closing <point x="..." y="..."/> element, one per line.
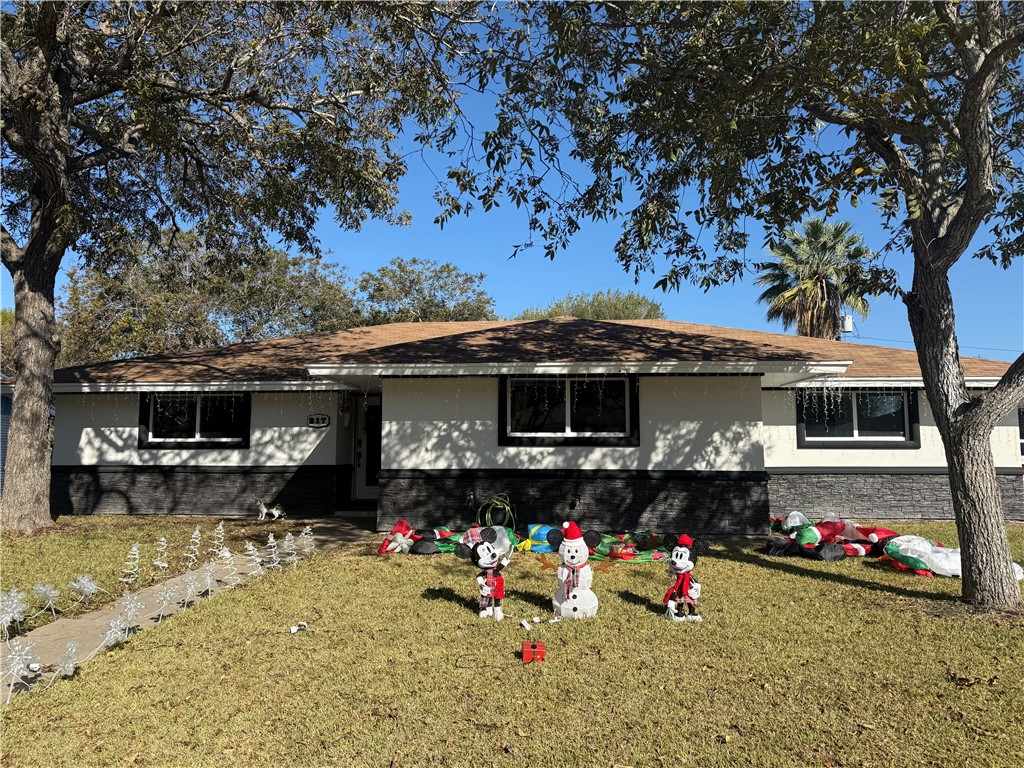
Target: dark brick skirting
<point x="698" y="503"/>
<point x="874" y="496"/>
<point x="304" y="491"/>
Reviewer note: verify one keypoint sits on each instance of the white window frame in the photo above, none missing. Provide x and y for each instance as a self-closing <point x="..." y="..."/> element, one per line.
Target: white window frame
<point x="567" y="381"/>
<point x="196" y="437"/>
<point x="856" y="432"/>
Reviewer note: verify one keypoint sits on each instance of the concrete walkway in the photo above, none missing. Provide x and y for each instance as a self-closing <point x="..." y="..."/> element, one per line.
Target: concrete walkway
<point x="87" y="632"/>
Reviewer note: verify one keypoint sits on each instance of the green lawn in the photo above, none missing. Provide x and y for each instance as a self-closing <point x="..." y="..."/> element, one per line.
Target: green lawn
<point x="98" y="546"/>
<point x="797" y="663"/>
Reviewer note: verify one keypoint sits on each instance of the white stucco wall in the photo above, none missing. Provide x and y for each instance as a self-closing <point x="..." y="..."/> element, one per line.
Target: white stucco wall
<point x="705" y="423"/>
<point x="780" y="451"/>
<point x="102" y="429"/>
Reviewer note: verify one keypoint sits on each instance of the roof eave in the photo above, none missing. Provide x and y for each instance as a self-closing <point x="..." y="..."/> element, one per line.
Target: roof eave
<point x="775" y="372"/>
<point x="95" y="387"/>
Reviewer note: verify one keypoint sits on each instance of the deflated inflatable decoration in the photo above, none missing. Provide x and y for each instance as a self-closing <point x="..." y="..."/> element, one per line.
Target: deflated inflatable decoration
<point x="928" y="558"/>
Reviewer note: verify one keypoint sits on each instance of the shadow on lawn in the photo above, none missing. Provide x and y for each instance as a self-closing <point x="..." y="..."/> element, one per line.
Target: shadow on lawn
<point x="450" y="595"/>
<point x="537" y="600"/>
<point x="743" y="554"/>
<point x="640" y="600"/>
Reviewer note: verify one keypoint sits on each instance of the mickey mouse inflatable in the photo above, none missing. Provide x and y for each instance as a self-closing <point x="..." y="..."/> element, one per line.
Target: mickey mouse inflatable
<point x="491" y="561"/>
<point x="686" y="589"/>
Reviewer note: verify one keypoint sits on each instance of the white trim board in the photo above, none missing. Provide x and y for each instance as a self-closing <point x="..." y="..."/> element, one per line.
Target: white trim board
<point x="774" y="373"/>
<point x="202" y="386"/>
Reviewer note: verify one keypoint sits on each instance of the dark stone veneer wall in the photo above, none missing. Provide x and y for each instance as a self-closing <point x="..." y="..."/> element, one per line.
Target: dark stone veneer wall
<point x="723" y="503"/>
<point x="695" y="502"/>
<point x="304" y="491"/>
<point x="874" y="496"/>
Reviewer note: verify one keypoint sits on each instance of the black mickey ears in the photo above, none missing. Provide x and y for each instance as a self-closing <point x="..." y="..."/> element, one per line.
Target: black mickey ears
<point x="590" y="538"/>
<point x="463" y="552"/>
<point x="555" y="538"/>
<point x="489" y="535"/>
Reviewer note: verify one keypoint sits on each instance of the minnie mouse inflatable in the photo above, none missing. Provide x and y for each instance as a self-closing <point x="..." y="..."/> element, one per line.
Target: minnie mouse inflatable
<point x="686" y="589"/>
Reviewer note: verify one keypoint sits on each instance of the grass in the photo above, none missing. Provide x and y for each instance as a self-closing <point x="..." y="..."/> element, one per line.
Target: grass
<point x="99" y="546"/>
<point x="797" y="663"/>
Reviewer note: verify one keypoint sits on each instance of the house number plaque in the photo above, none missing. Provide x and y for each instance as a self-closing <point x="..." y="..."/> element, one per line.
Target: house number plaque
<point x="318" y="420"/>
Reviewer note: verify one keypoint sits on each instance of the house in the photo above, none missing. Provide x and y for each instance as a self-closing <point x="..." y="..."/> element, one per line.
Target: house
<point x="616" y="424"/>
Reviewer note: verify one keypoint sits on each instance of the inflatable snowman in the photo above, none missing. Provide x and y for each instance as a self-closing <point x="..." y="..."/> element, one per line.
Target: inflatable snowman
<point x="574" y="598"/>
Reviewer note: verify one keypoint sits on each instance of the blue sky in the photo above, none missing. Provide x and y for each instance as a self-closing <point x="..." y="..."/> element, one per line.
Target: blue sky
<point x="989" y="301"/>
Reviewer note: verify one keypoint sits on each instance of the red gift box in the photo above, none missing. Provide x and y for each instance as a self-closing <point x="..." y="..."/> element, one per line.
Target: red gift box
<point x="533" y="651"/>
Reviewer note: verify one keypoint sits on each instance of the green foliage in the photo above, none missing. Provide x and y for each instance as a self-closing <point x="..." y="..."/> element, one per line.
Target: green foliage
<point x="601" y="305"/>
<point x="180" y="295"/>
<point x="707" y="116"/>
<point x="7" y="342"/>
<point x="237" y="120"/>
<point x="420" y="290"/>
<point x="815" y="274"/>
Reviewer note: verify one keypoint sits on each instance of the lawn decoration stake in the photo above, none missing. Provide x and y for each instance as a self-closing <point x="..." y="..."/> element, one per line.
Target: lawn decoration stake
<point x="130" y="572"/>
<point x="218" y="539"/>
<point x="291" y="555"/>
<point x="574" y="598"/>
<point x="306" y="542"/>
<point x="491" y="561"/>
<point x="192" y="555"/>
<point x="273" y="558"/>
<point x="686" y="589"/>
<point x="13" y="606"/>
<point x="255" y="561"/>
<point x="49" y="595"/>
<point x="161" y="555"/>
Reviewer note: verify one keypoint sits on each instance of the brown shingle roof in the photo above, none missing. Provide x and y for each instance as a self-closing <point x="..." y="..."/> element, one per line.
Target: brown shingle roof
<point x="557" y="340"/>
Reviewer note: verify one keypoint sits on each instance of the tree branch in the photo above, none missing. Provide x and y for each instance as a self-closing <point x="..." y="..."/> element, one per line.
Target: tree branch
<point x="10" y="252"/>
<point x="1005" y="395"/>
<point x="10" y="72"/>
<point x="973" y="121"/>
<point x="107" y="152"/>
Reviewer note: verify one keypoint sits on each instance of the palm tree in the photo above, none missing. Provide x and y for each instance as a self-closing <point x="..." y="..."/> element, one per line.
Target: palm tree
<point x="814" y="276"/>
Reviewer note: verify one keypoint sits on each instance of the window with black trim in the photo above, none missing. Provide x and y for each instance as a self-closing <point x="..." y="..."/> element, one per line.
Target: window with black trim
<point x="1020" y="424"/>
<point x="194" y="420"/>
<point x="857" y="418"/>
<point x="568" y="410"/>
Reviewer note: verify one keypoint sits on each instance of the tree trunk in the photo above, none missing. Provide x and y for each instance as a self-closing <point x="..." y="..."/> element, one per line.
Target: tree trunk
<point x="988" y="578"/>
<point x="26" y="499"/>
<point x="966" y="429"/>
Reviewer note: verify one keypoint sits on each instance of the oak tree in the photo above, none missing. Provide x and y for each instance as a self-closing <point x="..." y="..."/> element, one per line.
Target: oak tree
<point x="242" y="120"/>
<point x="164" y="298"/>
<point x="600" y="305"/>
<point x="707" y="116"/>
<point x="421" y="290"/>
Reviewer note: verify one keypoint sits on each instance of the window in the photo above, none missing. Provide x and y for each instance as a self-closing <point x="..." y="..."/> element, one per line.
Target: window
<point x="194" y="420"/>
<point x="568" y="411"/>
<point x="857" y="419"/>
<point x="1020" y="424"/>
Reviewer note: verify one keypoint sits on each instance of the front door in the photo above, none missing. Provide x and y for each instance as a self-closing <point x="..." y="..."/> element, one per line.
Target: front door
<point x="367" y="448"/>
